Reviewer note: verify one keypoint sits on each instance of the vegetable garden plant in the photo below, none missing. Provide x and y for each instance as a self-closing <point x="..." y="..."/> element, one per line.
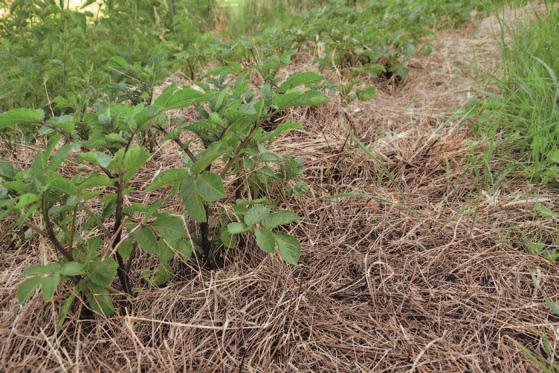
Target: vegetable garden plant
<point x="78" y="180"/>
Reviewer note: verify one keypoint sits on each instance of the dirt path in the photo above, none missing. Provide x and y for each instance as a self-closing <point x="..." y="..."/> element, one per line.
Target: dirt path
<point x="425" y="272"/>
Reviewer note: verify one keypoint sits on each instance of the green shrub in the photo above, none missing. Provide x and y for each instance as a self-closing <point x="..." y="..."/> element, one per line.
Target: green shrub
<point x="62" y="60"/>
<point x="77" y="183"/>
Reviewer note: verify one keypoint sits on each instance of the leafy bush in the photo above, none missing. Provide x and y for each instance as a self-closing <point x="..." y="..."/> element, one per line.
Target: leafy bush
<point x="362" y="37"/>
<point x="78" y="181"/>
<point x="62" y="59"/>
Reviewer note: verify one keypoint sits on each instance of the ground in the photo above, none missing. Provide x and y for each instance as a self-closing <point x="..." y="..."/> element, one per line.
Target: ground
<point x="417" y="267"/>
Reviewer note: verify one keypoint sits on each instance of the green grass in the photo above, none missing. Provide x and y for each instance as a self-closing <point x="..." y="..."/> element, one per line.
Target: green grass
<point x="523" y="119"/>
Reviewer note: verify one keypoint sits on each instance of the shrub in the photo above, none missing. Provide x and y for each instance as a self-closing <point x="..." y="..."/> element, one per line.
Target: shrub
<point x="78" y="180"/>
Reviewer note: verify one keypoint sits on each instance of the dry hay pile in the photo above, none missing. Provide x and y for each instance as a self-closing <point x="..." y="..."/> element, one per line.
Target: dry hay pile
<point x="412" y="269"/>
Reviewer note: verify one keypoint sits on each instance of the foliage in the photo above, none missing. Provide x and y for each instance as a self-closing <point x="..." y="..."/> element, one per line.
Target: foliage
<point x="64" y="59"/>
<point x="78" y="181"/>
<point x="360" y="37"/>
<point x="523" y="120"/>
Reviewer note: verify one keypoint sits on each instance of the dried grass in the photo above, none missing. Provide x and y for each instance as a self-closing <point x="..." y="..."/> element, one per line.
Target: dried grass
<point x="428" y="274"/>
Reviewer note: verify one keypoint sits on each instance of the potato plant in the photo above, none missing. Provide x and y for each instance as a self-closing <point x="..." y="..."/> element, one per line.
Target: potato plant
<point x="74" y="192"/>
<point x="60" y="58"/>
<point x="64" y="59"/>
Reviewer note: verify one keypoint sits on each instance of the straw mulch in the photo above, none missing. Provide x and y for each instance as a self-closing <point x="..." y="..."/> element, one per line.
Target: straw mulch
<point x="423" y="271"/>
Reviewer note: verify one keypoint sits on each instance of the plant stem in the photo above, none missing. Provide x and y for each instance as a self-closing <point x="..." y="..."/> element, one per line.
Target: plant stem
<point x="205" y="233"/>
<point x="121" y="270"/>
<point x="204" y="226"/>
<point x="132" y="255"/>
<point x="50" y="231"/>
<point x="205" y="229"/>
<point x="241" y="146"/>
<point x="73" y="228"/>
<point x="181" y="145"/>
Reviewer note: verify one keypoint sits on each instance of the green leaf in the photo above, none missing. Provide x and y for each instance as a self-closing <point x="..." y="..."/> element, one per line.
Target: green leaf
<point x="7" y="170"/>
<point x="366" y="94"/>
<point x="171" y="176"/>
<point x="96" y="158"/>
<point x="163" y="273"/>
<point x="72" y="269"/>
<point x="538" y="361"/>
<point x="545" y="211"/>
<point x="236" y="228"/>
<point x="213" y="152"/>
<point x="63" y="185"/>
<point x="298" y="79"/>
<point x="66" y="123"/>
<point x="283" y="128"/>
<point x="185" y="249"/>
<point x="51" y="145"/>
<point x="125" y="248"/>
<point x="64" y="310"/>
<point x="170" y="228"/>
<point x="549" y="348"/>
<point x="193" y="203"/>
<point x="26" y="200"/>
<point x="301" y="188"/>
<point x="41" y="269"/>
<point x="289" y="247"/>
<point x="134" y="159"/>
<point x="102" y="272"/>
<point x="96" y="180"/>
<point x="20" y="116"/>
<point x="61" y="155"/>
<point x="255" y="214"/>
<point x="147" y="241"/>
<point x="294" y="99"/>
<point x="138" y="207"/>
<point x="174" y="98"/>
<point x="228" y="239"/>
<point x="270" y="157"/>
<point x="117" y="162"/>
<point x="265" y="239"/>
<point x="100" y="303"/>
<point x="210" y="187"/>
<point x="554" y="307"/>
<point x="535" y="247"/>
<point x="117" y="63"/>
<point x="49" y="285"/>
<point x="279" y="218"/>
<point x="115" y="137"/>
<point x="27" y="288"/>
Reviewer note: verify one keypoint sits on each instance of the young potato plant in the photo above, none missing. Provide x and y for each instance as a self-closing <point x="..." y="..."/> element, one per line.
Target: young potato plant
<point x="233" y="135"/>
<point x="75" y="193"/>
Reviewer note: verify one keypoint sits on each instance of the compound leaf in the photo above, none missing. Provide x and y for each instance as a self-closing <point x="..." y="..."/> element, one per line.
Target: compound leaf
<point x="210" y="187"/>
<point x="265" y="239"/>
<point x="289" y="247"/>
<point x="27" y="288"/>
<point x="255" y="214"/>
